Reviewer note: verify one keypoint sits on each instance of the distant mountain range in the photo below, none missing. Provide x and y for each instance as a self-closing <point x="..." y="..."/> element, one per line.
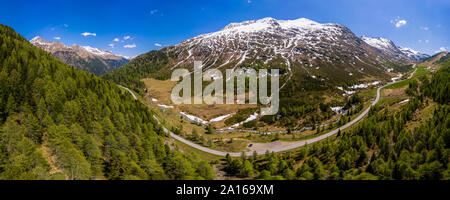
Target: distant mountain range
<point x="87" y="58"/>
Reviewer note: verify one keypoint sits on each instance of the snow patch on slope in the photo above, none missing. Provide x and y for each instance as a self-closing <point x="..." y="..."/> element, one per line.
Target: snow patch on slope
<point x="413" y="54"/>
<point x="194" y="118"/>
<point x="96" y="51"/>
<point x="379" y="43"/>
<point x="218" y="119"/>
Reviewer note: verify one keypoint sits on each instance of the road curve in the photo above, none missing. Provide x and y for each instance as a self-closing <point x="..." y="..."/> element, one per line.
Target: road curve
<point x="132" y="93"/>
<point x="291" y="146"/>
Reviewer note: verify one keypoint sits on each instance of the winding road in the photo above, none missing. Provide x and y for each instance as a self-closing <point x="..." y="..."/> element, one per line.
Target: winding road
<point x="132" y="93"/>
<point x="287" y="147"/>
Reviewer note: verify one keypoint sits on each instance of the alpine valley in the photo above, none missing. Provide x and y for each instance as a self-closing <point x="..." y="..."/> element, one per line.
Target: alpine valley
<point x="321" y="65"/>
<point x="351" y="108"/>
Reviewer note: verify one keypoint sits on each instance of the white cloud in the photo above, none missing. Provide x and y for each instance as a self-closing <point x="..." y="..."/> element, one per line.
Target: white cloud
<point x="111" y="45"/>
<point x="85" y="34"/>
<point x="57" y="38"/>
<point x="249" y="1"/>
<point x="158" y="45"/>
<point x="399" y="22"/>
<point x="66" y="25"/>
<point x="427" y="41"/>
<point x="424" y="28"/>
<point x="116" y="40"/>
<point x="441" y="50"/>
<point x="152" y="12"/>
<point x="126" y="37"/>
<point x="129" y="46"/>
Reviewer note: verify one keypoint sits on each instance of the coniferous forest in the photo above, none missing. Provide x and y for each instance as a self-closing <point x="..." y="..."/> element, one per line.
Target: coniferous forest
<point x="385" y="146"/>
<point x="57" y="122"/>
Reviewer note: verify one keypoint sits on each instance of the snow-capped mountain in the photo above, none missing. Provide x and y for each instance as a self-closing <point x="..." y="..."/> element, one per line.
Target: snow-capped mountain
<point x="86" y="58"/>
<point x="302" y="49"/>
<point x="387" y="47"/>
<point x="413" y="54"/>
<point x="296" y="46"/>
<point x="379" y="43"/>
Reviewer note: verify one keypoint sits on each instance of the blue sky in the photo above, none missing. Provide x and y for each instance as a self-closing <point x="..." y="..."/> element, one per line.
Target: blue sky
<point x="420" y="24"/>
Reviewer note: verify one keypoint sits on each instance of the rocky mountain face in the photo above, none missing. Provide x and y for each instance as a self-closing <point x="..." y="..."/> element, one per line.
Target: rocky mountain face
<point x="87" y="58"/>
<point x="299" y="46"/>
<point x="388" y="47"/>
<point x="326" y="54"/>
<point x="413" y="54"/>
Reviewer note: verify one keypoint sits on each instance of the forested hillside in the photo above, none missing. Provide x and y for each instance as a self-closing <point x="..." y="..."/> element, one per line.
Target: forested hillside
<point x="57" y="122"/>
<point x="395" y="143"/>
<point x="143" y="66"/>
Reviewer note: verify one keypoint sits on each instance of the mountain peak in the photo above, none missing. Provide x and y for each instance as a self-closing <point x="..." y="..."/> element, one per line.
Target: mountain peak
<point x="270" y="23"/>
<point x="97" y="51"/>
<point x="252" y="24"/>
<point x="378" y="42"/>
<point x="413" y="54"/>
<point x="300" y="21"/>
<point x="267" y="19"/>
<point x="58" y="46"/>
<point x="36" y="38"/>
<point x="301" y="45"/>
<point x="387" y="46"/>
<point x="82" y="57"/>
<point x="38" y="41"/>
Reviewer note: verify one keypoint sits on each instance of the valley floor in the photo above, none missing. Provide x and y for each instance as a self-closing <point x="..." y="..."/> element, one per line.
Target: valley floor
<point x="278" y="146"/>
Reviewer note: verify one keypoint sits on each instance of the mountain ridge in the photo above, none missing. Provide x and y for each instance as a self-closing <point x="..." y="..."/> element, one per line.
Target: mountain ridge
<point x="389" y="47"/>
<point x="87" y="58"/>
<point x="300" y="48"/>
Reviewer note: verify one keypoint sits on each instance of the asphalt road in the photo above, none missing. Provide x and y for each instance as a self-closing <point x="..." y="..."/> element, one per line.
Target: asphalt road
<point x="132" y="93"/>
